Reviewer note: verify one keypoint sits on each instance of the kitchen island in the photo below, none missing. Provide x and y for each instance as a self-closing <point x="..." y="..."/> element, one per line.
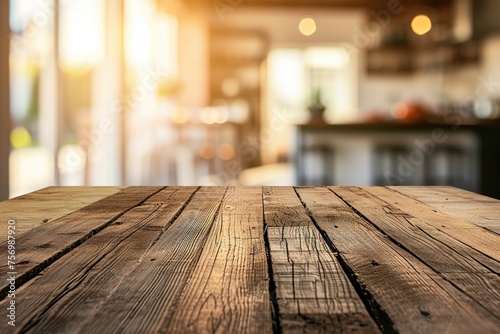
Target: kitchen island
<point x="465" y="155"/>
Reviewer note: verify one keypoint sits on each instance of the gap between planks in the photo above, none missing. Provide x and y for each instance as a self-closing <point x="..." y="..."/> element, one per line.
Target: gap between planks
<point x="45" y="205"/>
<point x="470" y="271"/>
<point x="150" y="293"/>
<point x="39" y="247"/>
<point x="90" y="272"/>
<point x="403" y="286"/>
<point x="313" y="291"/>
<point x="477" y="209"/>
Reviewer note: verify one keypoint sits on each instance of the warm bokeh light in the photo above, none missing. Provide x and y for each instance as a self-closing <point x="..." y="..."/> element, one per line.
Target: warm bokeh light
<point x="230" y="87"/>
<point x="20" y="137"/>
<point x="421" y="24"/>
<point x="180" y="115"/>
<point x="207" y="151"/>
<point x="307" y="26"/>
<point x="162" y="92"/>
<point x="71" y="158"/>
<point x="214" y="115"/>
<point x="226" y="151"/>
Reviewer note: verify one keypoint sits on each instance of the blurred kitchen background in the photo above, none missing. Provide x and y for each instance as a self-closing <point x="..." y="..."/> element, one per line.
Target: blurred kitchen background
<point x="249" y="92"/>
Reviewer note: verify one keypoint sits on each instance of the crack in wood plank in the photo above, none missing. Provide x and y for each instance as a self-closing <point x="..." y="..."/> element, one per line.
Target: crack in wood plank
<point x="400" y="283"/>
<point x="93" y="270"/>
<point x="300" y="260"/>
<point x="38" y="248"/>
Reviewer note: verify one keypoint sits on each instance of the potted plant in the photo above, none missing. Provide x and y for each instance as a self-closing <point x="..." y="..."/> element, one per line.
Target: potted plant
<point x="316" y="106"/>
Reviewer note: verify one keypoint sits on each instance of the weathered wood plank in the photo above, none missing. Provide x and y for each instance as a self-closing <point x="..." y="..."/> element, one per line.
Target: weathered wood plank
<point x="314" y="294"/>
<point x="405" y="294"/>
<point x="471" y="271"/>
<point x="65" y="294"/>
<point x="40" y="246"/>
<point x="147" y="297"/>
<point x="281" y="211"/>
<point x="229" y="289"/>
<point x="470" y="234"/>
<point x="477" y="209"/>
<point x="208" y="271"/>
<point x="45" y="205"/>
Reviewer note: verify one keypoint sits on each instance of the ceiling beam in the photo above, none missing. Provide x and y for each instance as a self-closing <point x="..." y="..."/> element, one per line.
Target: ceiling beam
<point x="364" y="4"/>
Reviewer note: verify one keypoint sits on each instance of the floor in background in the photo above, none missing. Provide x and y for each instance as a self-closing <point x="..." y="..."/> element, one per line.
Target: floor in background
<point x="269" y="175"/>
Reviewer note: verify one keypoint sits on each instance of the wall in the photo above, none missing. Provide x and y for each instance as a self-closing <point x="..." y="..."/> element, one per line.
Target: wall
<point x="379" y="93"/>
<point x="334" y="27"/>
<point x="485" y="17"/>
<point x="194" y="57"/>
<point x="490" y="66"/>
<point x="5" y="124"/>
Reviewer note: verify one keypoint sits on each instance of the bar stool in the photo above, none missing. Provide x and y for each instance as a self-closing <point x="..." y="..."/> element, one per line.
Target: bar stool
<point x="450" y="165"/>
<point x="386" y="165"/>
<point x="316" y="165"/>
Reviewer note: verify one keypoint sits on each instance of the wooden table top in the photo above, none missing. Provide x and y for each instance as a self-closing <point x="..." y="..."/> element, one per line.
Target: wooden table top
<point x="251" y="260"/>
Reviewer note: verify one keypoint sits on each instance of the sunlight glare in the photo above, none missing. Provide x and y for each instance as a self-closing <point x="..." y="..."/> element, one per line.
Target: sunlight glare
<point x="139" y="29"/>
<point x="82" y="33"/>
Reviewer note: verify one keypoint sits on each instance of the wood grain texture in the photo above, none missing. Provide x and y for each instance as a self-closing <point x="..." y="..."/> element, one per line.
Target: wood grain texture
<point x="470" y="234"/>
<point x="40" y="246"/>
<point x="42" y="206"/>
<point x="283" y="208"/>
<point x="314" y="294"/>
<point x="471" y="271"/>
<point x="251" y="260"/>
<point x="147" y="298"/>
<point x="229" y="288"/>
<point x="477" y="209"/>
<point x="65" y="294"/>
<point x="405" y="294"/>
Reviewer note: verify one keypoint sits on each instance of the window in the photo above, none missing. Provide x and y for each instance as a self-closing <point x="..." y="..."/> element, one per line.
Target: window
<point x="296" y="73"/>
